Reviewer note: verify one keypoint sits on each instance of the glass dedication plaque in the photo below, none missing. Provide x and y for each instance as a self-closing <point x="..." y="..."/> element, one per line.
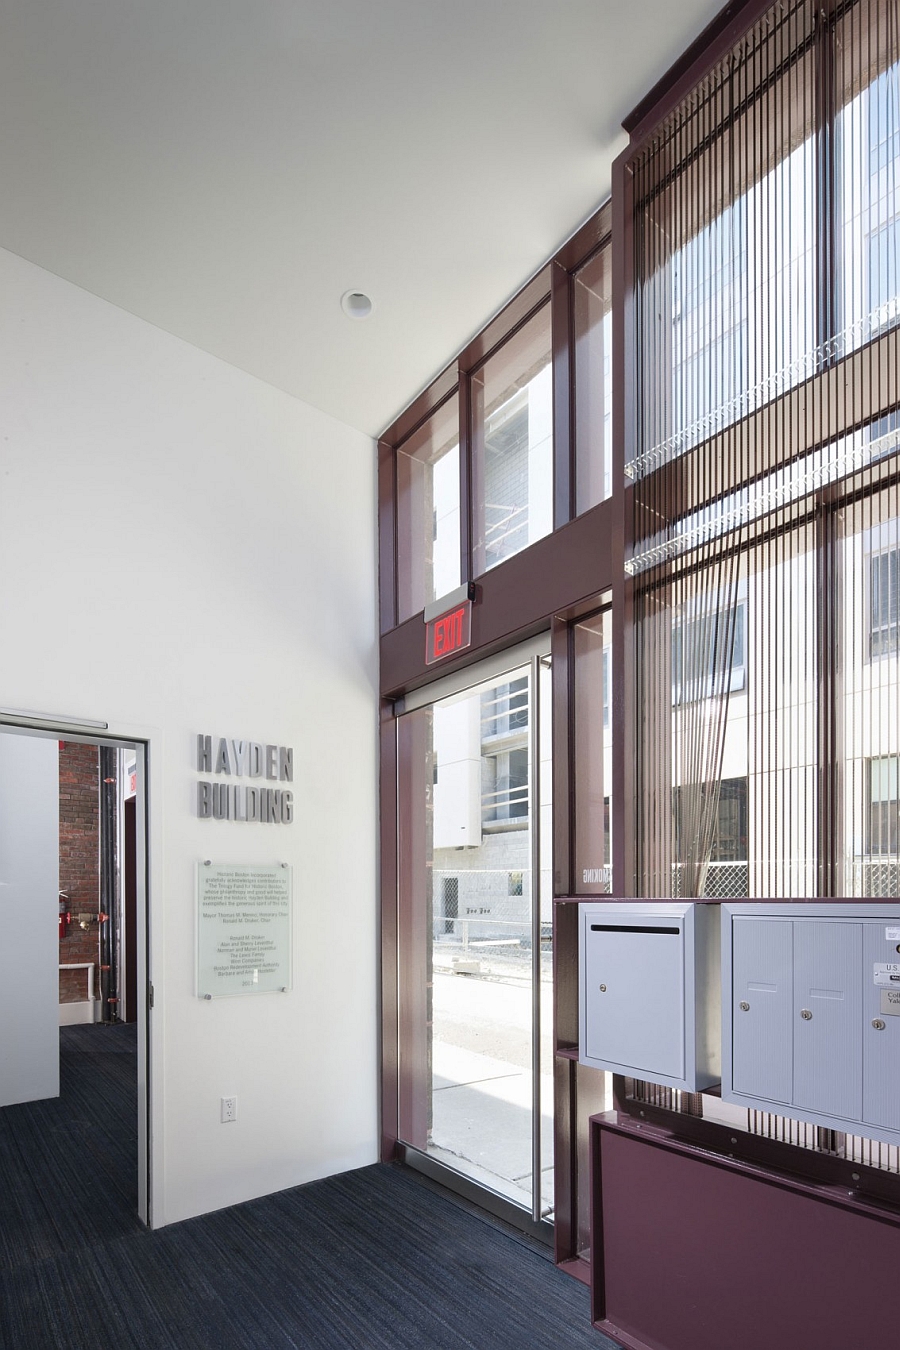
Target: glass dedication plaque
<point x="243" y="928"/>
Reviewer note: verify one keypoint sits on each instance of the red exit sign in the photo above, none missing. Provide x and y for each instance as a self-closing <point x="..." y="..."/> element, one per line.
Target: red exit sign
<point x="448" y="633"/>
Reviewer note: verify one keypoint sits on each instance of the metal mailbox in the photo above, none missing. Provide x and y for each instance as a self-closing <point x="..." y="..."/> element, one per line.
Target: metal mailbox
<point x="811" y="1013"/>
<point x="649" y="991"/>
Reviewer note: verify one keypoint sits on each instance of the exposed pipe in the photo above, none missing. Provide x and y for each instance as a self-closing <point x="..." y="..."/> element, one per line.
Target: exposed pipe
<point x="109" y="899"/>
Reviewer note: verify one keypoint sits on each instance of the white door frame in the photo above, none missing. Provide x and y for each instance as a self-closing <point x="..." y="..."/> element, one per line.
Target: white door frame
<point x="130" y="736"/>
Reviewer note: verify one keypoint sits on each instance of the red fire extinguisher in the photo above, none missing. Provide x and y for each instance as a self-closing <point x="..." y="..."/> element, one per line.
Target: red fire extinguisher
<point x="65" y="918"/>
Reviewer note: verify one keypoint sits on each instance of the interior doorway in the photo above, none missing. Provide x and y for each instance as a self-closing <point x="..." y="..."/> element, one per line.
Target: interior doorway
<point x="97" y="883"/>
<point x="73" y="970"/>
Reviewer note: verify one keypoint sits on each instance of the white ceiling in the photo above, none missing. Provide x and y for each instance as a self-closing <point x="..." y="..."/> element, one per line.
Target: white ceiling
<point x="226" y="169"/>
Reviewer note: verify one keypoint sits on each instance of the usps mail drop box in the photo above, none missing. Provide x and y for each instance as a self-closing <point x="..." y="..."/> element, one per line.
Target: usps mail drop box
<point x="649" y="989"/>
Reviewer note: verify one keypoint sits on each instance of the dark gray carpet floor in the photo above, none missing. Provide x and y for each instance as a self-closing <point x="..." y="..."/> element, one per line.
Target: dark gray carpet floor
<point x="376" y="1259"/>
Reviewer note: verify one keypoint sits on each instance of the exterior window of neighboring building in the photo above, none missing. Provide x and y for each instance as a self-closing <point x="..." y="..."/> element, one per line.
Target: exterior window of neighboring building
<point x="704" y="647"/>
<point x="884" y="603"/>
<point x="727" y="872"/>
<point x="882" y="435"/>
<point x="505" y="709"/>
<point x="730" y="841"/>
<point x="883" y="823"/>
<point x="514" y="884"/>
<point x="504" y="748"/>
<point x="883" y="265"/>
<point x="505" y="799"/>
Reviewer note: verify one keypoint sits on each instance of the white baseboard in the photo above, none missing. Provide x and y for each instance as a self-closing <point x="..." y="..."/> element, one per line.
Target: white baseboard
<point x="87" y="1010"/>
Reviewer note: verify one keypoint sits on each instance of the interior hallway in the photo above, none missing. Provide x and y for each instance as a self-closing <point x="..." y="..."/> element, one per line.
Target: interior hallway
<point x="376" y="1258"/>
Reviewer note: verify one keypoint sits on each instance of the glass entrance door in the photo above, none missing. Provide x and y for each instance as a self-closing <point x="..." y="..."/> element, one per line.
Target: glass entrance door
<point x="476" y="1086"/>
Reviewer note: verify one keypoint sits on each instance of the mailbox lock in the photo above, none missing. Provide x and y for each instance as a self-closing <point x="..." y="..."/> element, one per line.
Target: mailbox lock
<point x="745" y="1007"/>
<point x="878" y="1024"/>
<point x="603" y="989"/>
<point x="806" y="1014"/>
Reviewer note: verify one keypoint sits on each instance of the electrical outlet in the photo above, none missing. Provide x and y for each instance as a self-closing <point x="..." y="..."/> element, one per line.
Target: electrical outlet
<point x="229" y="1109"/>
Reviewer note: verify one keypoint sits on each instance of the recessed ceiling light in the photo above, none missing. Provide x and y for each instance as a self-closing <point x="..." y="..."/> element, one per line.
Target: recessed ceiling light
<point x="356" y="304"/>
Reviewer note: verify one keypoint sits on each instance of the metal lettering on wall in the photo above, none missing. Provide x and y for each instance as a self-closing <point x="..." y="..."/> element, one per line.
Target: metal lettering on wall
<point x="243" y="801"/>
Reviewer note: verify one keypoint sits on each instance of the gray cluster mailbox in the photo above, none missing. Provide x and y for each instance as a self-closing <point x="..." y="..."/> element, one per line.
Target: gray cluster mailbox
<point x="811" y="1013"/>
<point x="649" y="991"/>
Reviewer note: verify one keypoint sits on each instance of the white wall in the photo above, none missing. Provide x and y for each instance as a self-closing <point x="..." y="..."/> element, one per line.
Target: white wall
<point x="247" y="604"/>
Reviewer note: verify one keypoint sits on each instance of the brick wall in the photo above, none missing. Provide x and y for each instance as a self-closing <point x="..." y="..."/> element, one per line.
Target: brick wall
<point x="79" y="861"/>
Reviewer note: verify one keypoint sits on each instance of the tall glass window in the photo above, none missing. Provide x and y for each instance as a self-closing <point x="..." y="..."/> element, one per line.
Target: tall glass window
<point x="512" y="468"/>
<point x="428" y="541"/>
<point x="593" y="381"/>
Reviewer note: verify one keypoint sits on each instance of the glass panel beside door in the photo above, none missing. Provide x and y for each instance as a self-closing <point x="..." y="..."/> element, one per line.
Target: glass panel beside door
<point x="475" y="961"/>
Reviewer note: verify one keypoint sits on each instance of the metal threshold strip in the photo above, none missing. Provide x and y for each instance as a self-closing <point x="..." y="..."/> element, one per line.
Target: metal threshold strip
<point x="490" y="1201"/>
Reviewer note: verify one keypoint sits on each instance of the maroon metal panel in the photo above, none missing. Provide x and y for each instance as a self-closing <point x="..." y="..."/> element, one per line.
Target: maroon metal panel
<point x="590" y="1100"/>
<point x="389" y="931"/>
<point x="716" y="40"/>
<point x="562" y="757"/>
<point x="598" y="1234"/>
<point x="563" y="395"/>
<point x="577" y="1268"/>
<point x="565" y="1033"/>
<point x="585" y="240"/>
<point x="576" y="250"/>
<point x="565" y="973"/>
<point x="517" y="598"/>
<point x="465" y="478"/>
<point x="413" y="927"/>
<point x="829" y="804"/>
<point x="421" y="407"/>
<point x="520" y="308"/>
<point x="564" y="1176"/>
<point x="732" y="1256"/>
<point x="622" y="793"/>
<point x="387" y="537"/>
<point x="567" y="1181"/>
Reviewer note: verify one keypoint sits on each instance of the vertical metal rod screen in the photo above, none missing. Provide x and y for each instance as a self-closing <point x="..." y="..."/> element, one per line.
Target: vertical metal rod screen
<point x="765" y="553"/>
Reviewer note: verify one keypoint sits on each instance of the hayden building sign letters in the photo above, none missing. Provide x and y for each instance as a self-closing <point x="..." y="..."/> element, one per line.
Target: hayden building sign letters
<point x="225" y="800"/>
